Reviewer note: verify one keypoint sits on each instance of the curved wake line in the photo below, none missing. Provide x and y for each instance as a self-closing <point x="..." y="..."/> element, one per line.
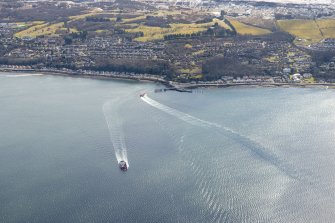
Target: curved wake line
<point x="114" y="125"/>
<point x="178" y="114"/>
<point x="251" y="144"/>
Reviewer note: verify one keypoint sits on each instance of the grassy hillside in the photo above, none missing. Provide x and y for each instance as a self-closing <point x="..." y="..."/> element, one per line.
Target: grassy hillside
<point x="156" y="33"/>
<point x="327" y="27"/>
<point x="43" y="29"/>
<point x="153" y="24"/>
<point x="245" y="29"/>
<point x="309" y="30"/>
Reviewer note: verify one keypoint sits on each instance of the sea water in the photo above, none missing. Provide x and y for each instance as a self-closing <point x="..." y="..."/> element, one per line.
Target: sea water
<point x="225" y="155"/>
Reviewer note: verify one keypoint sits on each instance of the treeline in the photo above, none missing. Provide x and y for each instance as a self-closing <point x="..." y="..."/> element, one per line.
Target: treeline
<point x="181" y="36"/>
<point x="205" y="20"/>
<point x="275" y="36"/>
<point x="68" y="39"/>
<point x="79" y="35"/>
<point x="216" y="31"/>
<point x="20" y="61"/>
<point x="156" y="22"/>
<point x="283" y="16"/>
<point x="231" y="26"/>
<point x="44" y="11"/>
<point x="321" y="57"/>
<point x="327" y="76"/>
<point x="97" y="19"/>
<point x="216" y="67"/>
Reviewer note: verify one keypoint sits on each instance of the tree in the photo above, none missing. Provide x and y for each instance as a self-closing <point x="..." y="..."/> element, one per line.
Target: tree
<point x="222" y="14"/>
<point x="68" y="40"/>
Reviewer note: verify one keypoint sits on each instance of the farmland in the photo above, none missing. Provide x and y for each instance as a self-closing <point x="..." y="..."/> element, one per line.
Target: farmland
<point x="157" y="33"/>
<point x="310" y="31"/>
<point x="43" y="29"/>
<point x="245" y="29"/>
<point x="147" y="25"/>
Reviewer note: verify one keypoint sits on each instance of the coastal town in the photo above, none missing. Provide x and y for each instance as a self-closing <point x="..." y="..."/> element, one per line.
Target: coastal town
<point x="189" y="48"/>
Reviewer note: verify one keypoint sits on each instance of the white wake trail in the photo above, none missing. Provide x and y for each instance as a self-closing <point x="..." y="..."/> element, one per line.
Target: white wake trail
<point x="115" y="127"/>
<point x="184" y="116"/>
<point x="255" y="147"/>
<point x="178" y="114"/>
<point x="23" y="75"/>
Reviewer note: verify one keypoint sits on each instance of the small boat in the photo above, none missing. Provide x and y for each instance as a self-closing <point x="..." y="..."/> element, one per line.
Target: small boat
<point x="123" y="165"/>
<point x="142" y="95"/>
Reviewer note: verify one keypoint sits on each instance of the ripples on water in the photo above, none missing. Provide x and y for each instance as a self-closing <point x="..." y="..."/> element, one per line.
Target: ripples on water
<point x="218" y="204"/>
<point x="228" y="155"/>
<point x="256" y="191"/>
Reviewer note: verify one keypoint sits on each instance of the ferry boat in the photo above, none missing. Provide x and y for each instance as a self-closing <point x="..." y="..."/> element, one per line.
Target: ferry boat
<point x="123" y="165"/>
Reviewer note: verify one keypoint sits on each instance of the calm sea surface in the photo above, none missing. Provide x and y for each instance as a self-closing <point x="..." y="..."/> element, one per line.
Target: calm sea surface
<point x="217" y="155"/>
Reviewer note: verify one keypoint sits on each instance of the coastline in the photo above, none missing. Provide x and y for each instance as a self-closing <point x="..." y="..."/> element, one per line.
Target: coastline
<point x="114" y="76"/>
<point x="169" y="84"/>
<point x="284" y="85"/>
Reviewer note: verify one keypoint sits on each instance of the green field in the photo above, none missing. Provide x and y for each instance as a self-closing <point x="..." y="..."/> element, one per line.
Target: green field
<point x="131" y="22"/>
<point x="43" y="29"/>
<point x="157" y="33"/>
<point x="245" y="29"/>
<point x="309" y="30"/>
<point x="178" y="22"/>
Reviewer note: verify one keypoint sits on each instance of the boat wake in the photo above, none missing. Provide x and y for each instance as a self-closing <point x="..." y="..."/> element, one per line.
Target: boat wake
<point x="248" y="143"/>
<point x="23" y="75"/>
<point x="178" y="114"/>
<point x="115" y="127"/>
<point x="215" y="196"/>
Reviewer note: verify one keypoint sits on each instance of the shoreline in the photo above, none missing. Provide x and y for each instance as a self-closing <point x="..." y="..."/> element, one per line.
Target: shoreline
<point x="283" y="85"/>
<point x="170" y="85"/>
<point x="115" y="76"/>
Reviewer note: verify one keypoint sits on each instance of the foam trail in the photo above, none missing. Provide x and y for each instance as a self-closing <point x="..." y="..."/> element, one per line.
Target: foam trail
<point x="115" y="124"/>
<point x="23" y="75"/>
<point x="184" y="116"/>
<point x="180" y="115"/>
<point x="251" y="144"/>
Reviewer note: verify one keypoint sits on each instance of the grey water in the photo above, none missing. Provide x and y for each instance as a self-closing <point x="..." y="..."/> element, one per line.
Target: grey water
<point x="225" y="155"/>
